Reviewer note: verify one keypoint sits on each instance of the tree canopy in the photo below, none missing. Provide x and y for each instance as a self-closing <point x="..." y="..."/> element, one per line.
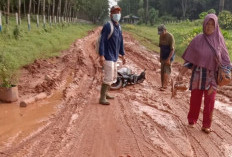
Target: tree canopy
<point x="94" y="10"/>
<point x="180" y="9"/>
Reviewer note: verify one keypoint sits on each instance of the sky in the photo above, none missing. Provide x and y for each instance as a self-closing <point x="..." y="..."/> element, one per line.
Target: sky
<point x="112" y="2"/>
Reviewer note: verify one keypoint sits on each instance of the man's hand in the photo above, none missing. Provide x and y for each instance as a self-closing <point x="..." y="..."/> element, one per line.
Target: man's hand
<point x="167" y="61"/>
<point x="123" y="60"/>
<point x="101" y="61"/>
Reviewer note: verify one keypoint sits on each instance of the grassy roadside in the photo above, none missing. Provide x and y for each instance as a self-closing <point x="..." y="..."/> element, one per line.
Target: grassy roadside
<point x="34" y="44"/>
<point x="40" y="43"/>
<point x="183" y="34"/>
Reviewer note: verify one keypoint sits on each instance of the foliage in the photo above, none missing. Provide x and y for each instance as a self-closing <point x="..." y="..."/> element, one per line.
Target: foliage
<point x="191" y="34"/>
<point x="202" y="15"/>
<point x="141" y="13"/>
<point x="174" y="7"/>
<point x="212" y="11"/>
<point x="93" y="10"/>
<point x="168" y="18"/>
<point x="8" y="72"/>
<point x="225" y="19"/>
<point x="153" y="15"/>
<point x="16" y="32"/>
<point x="96" y="10"/>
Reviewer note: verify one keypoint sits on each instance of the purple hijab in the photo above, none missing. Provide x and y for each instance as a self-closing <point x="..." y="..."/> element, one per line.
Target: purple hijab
<point x="199" y="52"/>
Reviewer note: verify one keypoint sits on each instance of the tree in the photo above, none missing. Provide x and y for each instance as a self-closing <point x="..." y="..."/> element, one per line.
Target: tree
<point x="184" y="5"/>
<point x="225" y="18"/>
<point x="8" y="12"/>
<point x="29" y="8"/>
<point x="44" y="7"/>
<point x="147" y="11"/>
<point x="153" y="15"/>
<point x="141" y="13"/>
<point x="59" y="9"/>
<point x="53" y="8"/>
<point x="38" y="9"/>
<point x="221" y="5"/>
<point x="19" y="11"/>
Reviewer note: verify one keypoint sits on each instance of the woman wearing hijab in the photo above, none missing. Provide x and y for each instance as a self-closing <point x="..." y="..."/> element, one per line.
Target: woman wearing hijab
<point x="200" y="56"/>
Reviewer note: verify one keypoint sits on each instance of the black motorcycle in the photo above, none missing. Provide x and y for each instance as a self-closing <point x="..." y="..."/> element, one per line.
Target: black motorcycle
<point x="126" y="77"/>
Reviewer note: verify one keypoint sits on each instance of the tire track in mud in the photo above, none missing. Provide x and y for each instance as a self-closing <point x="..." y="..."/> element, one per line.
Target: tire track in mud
<point x="145" y="147"/>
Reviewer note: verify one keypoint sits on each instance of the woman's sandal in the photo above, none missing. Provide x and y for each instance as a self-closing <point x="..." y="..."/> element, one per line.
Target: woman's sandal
<point x="191" y="125"/>
<point x="206" y="130"/>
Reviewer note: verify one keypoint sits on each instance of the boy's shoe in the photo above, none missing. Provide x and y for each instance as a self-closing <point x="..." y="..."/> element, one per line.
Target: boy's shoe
<point x="206" y="130"/>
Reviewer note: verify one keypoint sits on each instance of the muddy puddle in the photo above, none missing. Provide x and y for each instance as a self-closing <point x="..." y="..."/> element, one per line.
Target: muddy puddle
<point x="16" y="123"/>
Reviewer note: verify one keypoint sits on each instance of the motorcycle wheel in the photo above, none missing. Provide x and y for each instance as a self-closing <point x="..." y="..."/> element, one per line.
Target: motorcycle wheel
<point x="116" y="85"/>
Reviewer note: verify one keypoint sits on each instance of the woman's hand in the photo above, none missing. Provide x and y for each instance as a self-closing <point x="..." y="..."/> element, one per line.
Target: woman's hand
<point x="181" y="74"/>
<point x="210" y="90"/>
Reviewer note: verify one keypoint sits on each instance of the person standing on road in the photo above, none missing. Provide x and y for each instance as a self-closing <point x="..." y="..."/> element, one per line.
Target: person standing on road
<point x="111" y="45"/>
<point x="200" y="57"/>
<point x="166" y="44"/>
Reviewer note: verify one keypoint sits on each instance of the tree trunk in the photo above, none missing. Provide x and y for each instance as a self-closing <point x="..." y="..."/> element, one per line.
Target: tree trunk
<point x="24" y="7"/>
<point x="38" y="9"/>
<point x="69" y="10"/>
<point x="49" y="9"/>
<point x="53" y="9"/>
<point x="29" y="7"/>
<point x="65" y="8"/>
<point x="184" y="5"/>
<point x="8" y="12"/>
<point x="147" y="12"/>
<point x="43" y="7"/>
<point x="19" y="12"/>
<point x="34" y="3"/>
<point x="221" y="5"/>
<point x="59" y="8"/>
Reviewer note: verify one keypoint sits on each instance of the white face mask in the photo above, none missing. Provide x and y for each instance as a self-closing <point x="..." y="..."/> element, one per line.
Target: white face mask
<point x="116" y="17"/>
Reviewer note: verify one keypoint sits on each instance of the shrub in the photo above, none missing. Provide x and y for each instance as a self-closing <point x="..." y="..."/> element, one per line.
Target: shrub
<point x="16" y="32"/>
<point x="8" y="72"/>
<point x="211" y="11"/>
<point x="226" y="34"/>
<point x="202" y="15"/>
<point x="191" y="35"/>
<point x="168" y="18"/>
<point x="225" y="19"/>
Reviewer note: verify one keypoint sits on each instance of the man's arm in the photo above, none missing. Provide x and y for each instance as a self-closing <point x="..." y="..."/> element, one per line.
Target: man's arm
<point x="104" y="35"/>
<point x="172" y="43"/>
<point x="121" y="51"/>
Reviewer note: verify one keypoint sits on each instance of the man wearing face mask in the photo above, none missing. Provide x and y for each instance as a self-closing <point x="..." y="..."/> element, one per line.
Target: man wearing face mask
<point x="111" y="45"/>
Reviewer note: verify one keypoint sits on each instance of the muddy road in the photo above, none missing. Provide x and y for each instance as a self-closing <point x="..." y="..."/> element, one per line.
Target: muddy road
<point x="140" y="122"/>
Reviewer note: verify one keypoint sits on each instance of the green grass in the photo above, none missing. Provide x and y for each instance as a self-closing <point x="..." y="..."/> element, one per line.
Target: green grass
<point x="35" y="44"/>
<point x="183" y="33"/>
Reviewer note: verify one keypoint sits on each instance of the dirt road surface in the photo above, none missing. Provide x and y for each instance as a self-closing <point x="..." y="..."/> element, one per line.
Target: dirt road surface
<point x="140" y="122"/>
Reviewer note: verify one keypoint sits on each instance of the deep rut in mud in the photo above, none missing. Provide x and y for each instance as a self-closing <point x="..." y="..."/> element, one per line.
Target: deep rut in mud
<point x="140" y="122"/>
